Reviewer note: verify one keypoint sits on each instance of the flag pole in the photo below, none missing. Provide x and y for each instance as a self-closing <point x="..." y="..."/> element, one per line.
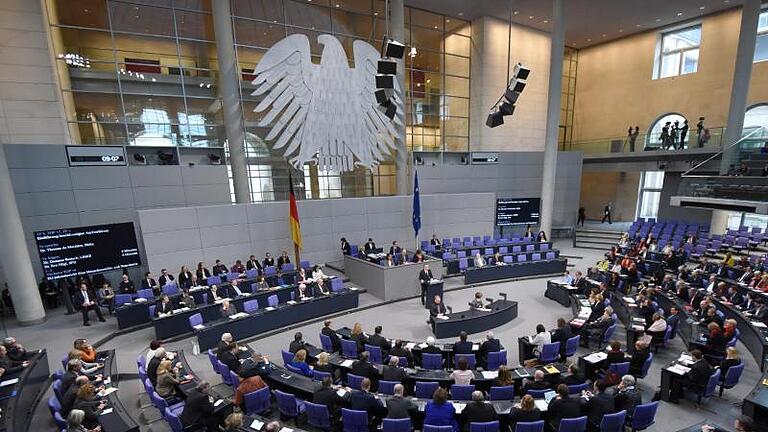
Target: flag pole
<point x="293" y="215"/>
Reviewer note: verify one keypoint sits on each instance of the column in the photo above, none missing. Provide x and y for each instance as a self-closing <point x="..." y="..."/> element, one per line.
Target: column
<point x="14" y="255"/>
<point x="553" y="116"/>
<point x="742" y="73"/>
<point x="229" y="89"/>
<point x="397" y="28"/>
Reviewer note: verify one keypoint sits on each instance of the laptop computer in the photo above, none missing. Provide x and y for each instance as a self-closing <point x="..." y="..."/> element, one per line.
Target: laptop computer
<point x="548" y="396"/>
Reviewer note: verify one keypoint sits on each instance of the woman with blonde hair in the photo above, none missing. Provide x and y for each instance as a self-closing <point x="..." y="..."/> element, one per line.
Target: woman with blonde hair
<point x="323" y="364"/>
<point x="504" y="377"/>
<point x="300" y="362"/>
<point x="526" y="413"/>
<point x="166" y="380"/>
<point x="358" y="336"/>
<point x="731" y="359"/>
<point x="233" y="422"/>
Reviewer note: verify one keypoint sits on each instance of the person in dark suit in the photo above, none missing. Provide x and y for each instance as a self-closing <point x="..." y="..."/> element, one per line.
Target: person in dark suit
<point x="87" y="402"/>
<point x="229" y="357"/>
<point x="395" y="248"/>
<point x="463" y="346"/>
<point x="362" y="367"/>
<point x="716" y="342"/>
<point x="399" y="351"/>
<point x="202" y="272"/>
<point x="297" y="343"/>
<point x="86" y="301"/>
<point x="126" y="286"/>
<point x="269" y="261"/>
<point x="538" y="382"/>
<point x="398" y="406"/>
<point x="392" y="371"/>
<point x="253" y="263"/>
<point x="148" y="282"/>
<point x="641" y="354"/>
<point x="185" y="277"/>
<point x="331" y="333"/>
<point x="68" y="399"/>
<point x="731" y="359"/>
<point x="283" y="259"/>
<point x="9" y="365"/>
<point x="199" y="410"/>
<point x="436" y="308"/>
<point x="760" y="312"/>
<point x="749" y="303"/>
<point x="673" y="320"/>
<point x="165" y="278"/>
<point x="598" y="405"/>
<point x="219" y="268"/>
<point x="615" y="354"/>
<point x="257" y="364"/>
<point x="627" y="397"/>
<point x="370" y="246"/>
<point x="596" y="329"/>
<point x="734" y="296"/>
<point x="579" y="281"/>
<point x="477" y="302"/>
<point x="696" y="379"/>
<point x="478" y="411"/>
<point x="425" y="275"/>
<point x="561" y="334"/>
<point x="327" y="396"/>
<point x="153" y="364"/>
<point x="562" y="407"/>
<point x="575" y="377"/>
<point x="224" y="341"/>
<point x="526" y="413"/>
<point x="435" y="241"/>
<point x="346" y="249"/>
<point x="491" y="344"/>
<point x="164" y="306"/>
<point x="363" y="400"/>
<point x="376" y="339"/>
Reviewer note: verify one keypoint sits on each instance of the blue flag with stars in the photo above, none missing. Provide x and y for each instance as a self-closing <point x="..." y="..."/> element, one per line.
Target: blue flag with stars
<point x="416" y="205"/>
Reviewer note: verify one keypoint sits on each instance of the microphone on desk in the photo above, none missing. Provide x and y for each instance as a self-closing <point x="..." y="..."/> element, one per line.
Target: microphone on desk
<point x="450" y="309"/>
<point x="503" y="295"/>
<point x="489" y="300"/>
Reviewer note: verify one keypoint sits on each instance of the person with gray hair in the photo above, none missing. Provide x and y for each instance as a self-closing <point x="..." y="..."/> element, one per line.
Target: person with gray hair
<point x="226" y="339"/>
<point x="75" y="422"/>
<point x="198" y="410"/>
<point x="274" y="426"/>
<point x="538" y="382"/>
<point x="489" y="345"/>
<point x="399" y="407"/>
<point x="627" y="397"/>
<point x="478" y="411"/>
<point x="392" y="371"/>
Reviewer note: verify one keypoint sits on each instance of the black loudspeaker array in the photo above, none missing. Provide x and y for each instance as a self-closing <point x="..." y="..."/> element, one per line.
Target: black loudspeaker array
<point x="507" y="103"/>
<point x="386" y="73"/>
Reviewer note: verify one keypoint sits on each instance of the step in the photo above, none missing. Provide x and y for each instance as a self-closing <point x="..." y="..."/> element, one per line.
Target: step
<point x="598" y="231"/>
<point x="613" y="238"/>
<point x="595" y="242"/>
<point x="584" y="246"/>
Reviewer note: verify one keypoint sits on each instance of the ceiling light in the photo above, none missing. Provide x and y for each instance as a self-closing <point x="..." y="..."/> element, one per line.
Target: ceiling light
<point x="604" y="35"/>
<point x="429" y="81"/>
<point x="546" y="21"/>
<point x="154" y="79"/>
<point x="461" y="13"/>
<point x="530" y="16"/>
<point x="726" y="1"/>
<point x="338" y="5"/>
<point x="86" y="10"/>
<point x="589" y="40"/>
<point x="638" y="25"/>
<point x="658" y="19"/>
<point x="447" y="20"/>
<point x="516" y="12"/>
<point x="435" y="27"/>
<point x="702" y="7"/>
<point x="679" y="14"/>
<point x="375" y="14"/>
<point x="621" y="30"/>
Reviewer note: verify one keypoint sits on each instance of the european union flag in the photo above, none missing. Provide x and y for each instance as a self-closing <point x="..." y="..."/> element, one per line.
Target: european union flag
<point x="416" y="205"/>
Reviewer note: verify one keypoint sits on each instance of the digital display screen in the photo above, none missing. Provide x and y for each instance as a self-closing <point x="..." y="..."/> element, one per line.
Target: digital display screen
<point x="517" y="211"/>
<point x="71" y="252"/>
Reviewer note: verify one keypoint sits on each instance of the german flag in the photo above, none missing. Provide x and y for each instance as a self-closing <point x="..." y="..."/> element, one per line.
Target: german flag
<point x="294" y="216"/>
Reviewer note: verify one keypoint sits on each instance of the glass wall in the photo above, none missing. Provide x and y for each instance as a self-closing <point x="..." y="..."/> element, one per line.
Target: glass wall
<point x="649" y="197"/>
<point x="145" y="73"/>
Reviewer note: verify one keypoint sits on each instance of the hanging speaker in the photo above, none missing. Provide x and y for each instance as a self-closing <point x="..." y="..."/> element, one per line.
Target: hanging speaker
<point x="393" y="49"/>
<point x="511" y="96"/>
<point x="517" y="85"/>
<point x="385" y="81"/>
<point x="388" y="67"/>
<point x="494" y="119"/>
<point x="521" y="71"/>
<point x="507" y="108"/>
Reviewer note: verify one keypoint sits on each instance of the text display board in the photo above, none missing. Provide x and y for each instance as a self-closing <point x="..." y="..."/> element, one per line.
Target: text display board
<point x="70" y="252"/>
<point x="517" y="211"/>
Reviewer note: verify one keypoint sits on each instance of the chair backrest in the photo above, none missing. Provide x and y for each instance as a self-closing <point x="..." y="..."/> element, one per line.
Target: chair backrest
<point x="537" y="394"/>
<point x="646" y="366"/>
<point x="226" y="377"/>
<point x="213" y="280"/>
<point x="258" y="401"/>
<point x="214" y="361"/>
<point x="433" y="428"/>
<point x="608" y="333"/>
<point x="550" y="352"/>
<point x="733" y="375"/>
<point x="714" y="379"/>
<point x="536" y="257"/>
<point x="522" y="258"/>
<point x="613" y="422"/>
<point x="374" y="353"/>
<point x="509" y="259"/>
<point x="644" y="415"/>
<point x="348" y="348"/>
<point x="502" y="393"/>
<point x="286" y="403"/>
<point x="170" y="289"/>
<point x="388" y="387"/>
<point x="432" y="361"/>
<point x="252" y="273"/>
<point x="503" y="250"/>
<point x="53" y="405"/>
<point x="537" y="426"/>
<point x="288" y="267"/>
<point x="173" y="420"/>
<point x="577" y="388"/>
<point x="326" y="343"/>
<point x="287" y="356"/>
<point x="578" y="424"/>
<point x="293" y="369"/>
<point x="122" y="299"/>
<point x="425" y="389"/>
<point x="195" y="320"/>
<point x="471" y="360"/>
<point x="337" y="284"/>
<point x="270" y="271"/>
<point x="273" y="301"/>
<point x="145" y="293"/>
<point x="318" y="415"/>
<point x="402" y="361"/>
<point x="396" y="425"/>
<point x="572" y="345"/>
<point x="355" y="381"/>
<point x="251" y="306"/>
<point x="234" y="380"/>
<point x="462" y="392"/>
<point x="496" y="359"/>
<point x="619" y="369"/>
<point x="152" y="309"/>
<point x="492" y="426"/>
<point x="320" y="375"/>
<point x="354" y="420"/>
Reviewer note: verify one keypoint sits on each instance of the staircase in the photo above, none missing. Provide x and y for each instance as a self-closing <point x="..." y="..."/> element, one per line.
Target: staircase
<point x="590" y="238"/>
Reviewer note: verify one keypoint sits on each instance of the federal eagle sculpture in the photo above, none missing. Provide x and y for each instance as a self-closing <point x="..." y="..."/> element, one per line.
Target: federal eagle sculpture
<point x="324" y="113"/>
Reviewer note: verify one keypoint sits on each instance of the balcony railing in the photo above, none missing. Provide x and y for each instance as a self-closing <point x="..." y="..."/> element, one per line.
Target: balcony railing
<point x="644" y="142"/>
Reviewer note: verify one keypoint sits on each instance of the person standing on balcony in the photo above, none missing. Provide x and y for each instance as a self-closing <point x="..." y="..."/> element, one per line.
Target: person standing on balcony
<point x="674" y="134"/>
<point x="607" y="213"/>
<point x="683" y="134"/>
<point x="699" y="130"/>
<point x="632" y="137"/>
<point x="665" y="141"/>
<point x="704" y="138"/>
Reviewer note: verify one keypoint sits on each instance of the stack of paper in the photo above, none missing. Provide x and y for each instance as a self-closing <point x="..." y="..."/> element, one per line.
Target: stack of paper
<point x="490" y="374"/>
<point x="679" y="369"/>
<point x="410" y="345"/>
<point x="257" y="424"/>
<point x="347" y="363"/>
<point x="541" y="404"/>
<point x="629" y="299"/>
<point x="106" y="411"/>
<point x="475" y="347"/>
<point x="596" y="357"/>
<point x="199" y="327"/>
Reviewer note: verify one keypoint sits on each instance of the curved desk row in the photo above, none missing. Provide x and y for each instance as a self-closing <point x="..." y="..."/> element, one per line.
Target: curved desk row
<point x="756" y="404"/>
<point x="20" y="392"/>
<point x="265" y="320"/>
<point x="118" y="419"/>
<point x="753" y="335"/>
<point x="474" y="321"/>
<point x="515" y="270"/>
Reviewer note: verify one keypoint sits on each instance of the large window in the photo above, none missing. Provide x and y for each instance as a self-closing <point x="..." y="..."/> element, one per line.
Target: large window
<point x="749" y="220"/>
<point x="756" y="117"/>
<point x="649" y="197"/>
<point x="761" y="47"/>
<point x="678" y="52"/>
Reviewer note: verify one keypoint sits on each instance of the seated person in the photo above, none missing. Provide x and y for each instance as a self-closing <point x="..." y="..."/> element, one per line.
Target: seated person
<point x="399" y="351"/>
<point x="331" y="333"/>
<point x="230" y="359"/>
<point x="297" y="343"/>
<point x="462" y="346"/>
<point x="257" y="364"/>
<point x="477" y="411"/>
<point x="392" y="371"/>
<point x="199" y="411"/>
<point x="436" y="308"/>
<point x="227" y="309"/>
<point x="496" y="259"/>
<point x="126" y="286"/>
<point x="283" y="259"/>
<point x="388" y="261"/>
<point x="627" y="397"/>
<point x="562" y="407"/>
<point x="223" y="345"/>
<point x="615" y="354"/>
<point x="418" y="256"/>
<point x="376" y="339"/>
<point x="364" y="400"/>
<point x="167" y="380"/>
<point x="358" y="336"/>
<point x="8" y="366"/>
<point x="87" y="402"/>
<point x="525" y="414"/>
<point x="596" y="329"/>
<point x="262" y="285"/>
<point x="538" y="382"/>
<point x="541" y="338"/>
<point x="435" y="241"/>
<point x="321" y="288"/>
<point x="477" y="302"/>
<point x="440" y="411"/>
<point x="395" y="248"/>
<point x="326" y="395"/>
<point x="300" y="362"/>
<point x="597" y="404"/>
<point x="743" y="423"/>
<point x="237" y="267"/>
<point x="430" y="348"/>
<point x="716" y="342"/>
<point x="695" y="380"/>
<point x="369" y="247"/>
<point x="163" y="307"/>
<point x="462" y="375"/>
<point x="364" y="368"/>
<point x="479" y="260"/>
<point x="491" y="344"/>
<point x="574" y="377"/>
<point x="186" y="299"/>
<point x="398" y="406"/>
<point x="247" y="385"/>
<point x="641" y="354"/>
<point x="731" y="359"/>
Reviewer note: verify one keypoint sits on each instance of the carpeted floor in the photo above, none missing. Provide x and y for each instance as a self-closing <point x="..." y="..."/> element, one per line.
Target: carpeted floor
<point x="405" y="319"/>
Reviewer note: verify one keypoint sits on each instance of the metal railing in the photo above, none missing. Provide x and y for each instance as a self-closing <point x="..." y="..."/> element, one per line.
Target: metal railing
<point x="644" y="142"/>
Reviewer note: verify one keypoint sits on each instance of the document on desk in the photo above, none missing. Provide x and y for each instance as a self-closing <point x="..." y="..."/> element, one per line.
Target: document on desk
<point x="522" y="373"/>
<point x="347" y="363"/>
<point x="108" y="380"/>
<point x="475" y="347"/>
<point x="286" y="429"/>
<point x="541" y="404"/>
<point x="106" y="411"/>
<point x="442" y="317"/>
<point x="422" y="345"/>
<point x="269" y="308"/>
<point x="257" y="424"/>
<point x="490" y="374"/>
<point x="410" y="345"/>
<point x="218" y="402"/>
<point x="353" y="288"/>
<point x="199" y="327"/>
<point x="9" y="382"/>
<point x="341" y="392"/>
<point x="291" y="302"/>
<point x="483" y="309"/>
<point x="596" y="357"/>
<point x="637" y="327"/>
<point x="107" y="392"/>
<point x="759" y="324"/>
<point x="679" y="369"/>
